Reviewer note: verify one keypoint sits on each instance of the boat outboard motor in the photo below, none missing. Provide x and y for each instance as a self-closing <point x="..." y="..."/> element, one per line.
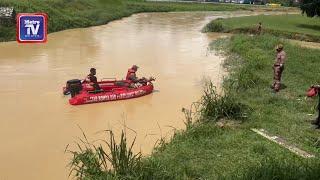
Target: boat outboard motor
<point x="74" y="86"/>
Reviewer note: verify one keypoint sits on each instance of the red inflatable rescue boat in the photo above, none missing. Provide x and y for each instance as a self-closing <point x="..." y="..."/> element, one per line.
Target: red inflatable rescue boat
<point x="111" y="90"/>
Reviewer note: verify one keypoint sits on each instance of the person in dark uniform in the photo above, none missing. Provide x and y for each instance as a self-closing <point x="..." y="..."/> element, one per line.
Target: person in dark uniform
<point x="259" y="28"/>
<point x="92" y="79"/>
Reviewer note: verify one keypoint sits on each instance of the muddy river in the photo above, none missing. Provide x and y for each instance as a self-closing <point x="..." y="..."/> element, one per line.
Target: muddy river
<point x="36" y="120"/>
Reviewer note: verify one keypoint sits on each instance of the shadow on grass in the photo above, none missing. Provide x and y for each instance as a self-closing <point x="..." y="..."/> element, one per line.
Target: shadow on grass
<point x="307" y="26"/>
<point x="283" y="86"/>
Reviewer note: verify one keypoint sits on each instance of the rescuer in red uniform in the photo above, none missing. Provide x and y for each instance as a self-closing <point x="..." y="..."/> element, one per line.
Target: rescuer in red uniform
<point x="133" y="79"/>
<point x="131" y="74"/>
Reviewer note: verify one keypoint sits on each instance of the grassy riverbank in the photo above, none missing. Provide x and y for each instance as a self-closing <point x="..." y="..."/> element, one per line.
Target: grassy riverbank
<point x="211" y="152"/>
<point x="214" y="147"/>
<point x="67" y="14"/>
<point x="288" y="26"/>
<point x="207" y="151"/>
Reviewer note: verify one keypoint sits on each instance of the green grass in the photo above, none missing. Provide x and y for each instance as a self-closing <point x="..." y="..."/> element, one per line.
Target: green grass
<point x="205" y="151"/>
<point x="213" y="107"/>
<point x="175" y="6"/>
<point x="202" y="152"/>
<point x="288" y="26"/>
<point x="67" y="14"/>
<point x="208" y="152"/>
<point x="284" y="113"/>
<point x="109" y="160"/>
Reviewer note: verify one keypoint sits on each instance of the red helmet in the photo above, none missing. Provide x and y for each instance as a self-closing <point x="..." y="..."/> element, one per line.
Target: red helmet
<point x="312" y="92"/>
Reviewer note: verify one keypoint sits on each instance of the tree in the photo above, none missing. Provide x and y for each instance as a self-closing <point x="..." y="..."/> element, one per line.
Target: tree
<point x="310" y="7"/>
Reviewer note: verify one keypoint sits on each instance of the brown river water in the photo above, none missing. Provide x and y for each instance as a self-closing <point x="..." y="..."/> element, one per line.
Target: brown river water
<point x="37" y="122"/>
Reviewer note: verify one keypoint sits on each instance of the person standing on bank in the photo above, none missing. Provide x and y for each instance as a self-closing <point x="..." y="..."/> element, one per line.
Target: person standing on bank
<point x="259" y="28"/>
<point x="278" y="67"/>
<point x="315" y="91"/>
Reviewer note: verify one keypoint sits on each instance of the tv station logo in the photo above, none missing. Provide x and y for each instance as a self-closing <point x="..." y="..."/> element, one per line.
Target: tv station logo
<point x="32" y="27"/>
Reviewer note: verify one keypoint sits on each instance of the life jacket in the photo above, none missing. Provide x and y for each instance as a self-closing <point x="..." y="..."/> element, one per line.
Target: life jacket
<point x="130" y="71"/>
<point x="91" y="78"/>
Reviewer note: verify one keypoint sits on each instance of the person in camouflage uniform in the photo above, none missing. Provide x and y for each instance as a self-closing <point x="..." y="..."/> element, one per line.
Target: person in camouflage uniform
<point x="259" y="28"/>
<point x="278" y="67"/>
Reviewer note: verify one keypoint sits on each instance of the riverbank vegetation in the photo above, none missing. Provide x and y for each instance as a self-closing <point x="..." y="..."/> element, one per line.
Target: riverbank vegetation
<point x="288" y="26"/>
<point x="67" y="14"/>
<point x="226" y="149"/>
<point x="218" y="142"/>
<point x="111" y="160"/>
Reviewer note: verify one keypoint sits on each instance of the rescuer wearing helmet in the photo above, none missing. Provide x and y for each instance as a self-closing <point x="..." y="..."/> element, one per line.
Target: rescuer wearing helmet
<point x="131" y="74"/>
<point x="134" y="80"/>
<point x="92" y="79"/>
<point x="278" y="67"/>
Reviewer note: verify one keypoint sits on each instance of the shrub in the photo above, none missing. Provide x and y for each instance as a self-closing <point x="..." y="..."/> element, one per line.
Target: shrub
<point x="213" y="106"/>
<point x="214" y="26"/>
<point x="92" y="162"/>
